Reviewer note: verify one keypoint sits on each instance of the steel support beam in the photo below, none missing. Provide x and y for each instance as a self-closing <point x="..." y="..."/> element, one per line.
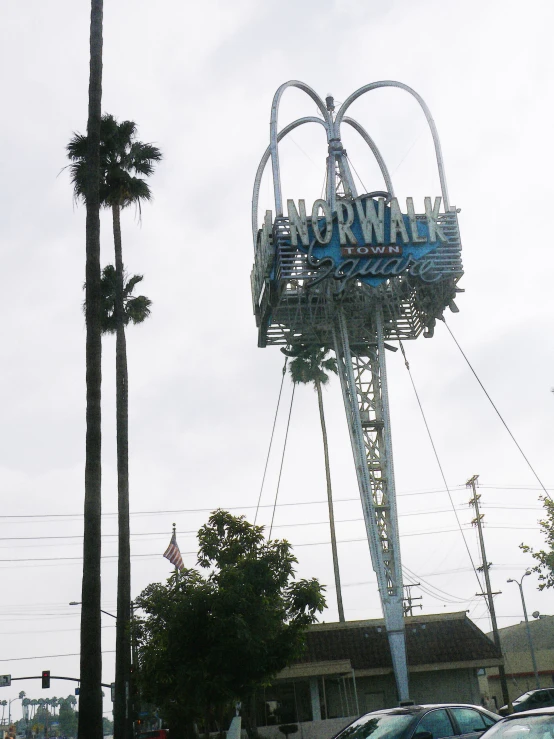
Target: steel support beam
<point x="363" y="379"/>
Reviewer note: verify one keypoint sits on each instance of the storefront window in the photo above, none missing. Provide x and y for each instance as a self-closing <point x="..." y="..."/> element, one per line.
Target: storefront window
<point x="285" y="703"/>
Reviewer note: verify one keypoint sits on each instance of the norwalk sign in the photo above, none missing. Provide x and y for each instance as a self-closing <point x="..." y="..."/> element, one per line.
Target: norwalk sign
<point x="367" y="238"/>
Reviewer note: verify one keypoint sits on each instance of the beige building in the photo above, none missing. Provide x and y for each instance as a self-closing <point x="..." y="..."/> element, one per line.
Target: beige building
<point x="517" y="659"/>
<point x="346" y="670"/>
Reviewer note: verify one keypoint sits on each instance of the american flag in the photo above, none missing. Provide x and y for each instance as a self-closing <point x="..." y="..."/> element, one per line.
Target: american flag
<point x="173" y="554"/>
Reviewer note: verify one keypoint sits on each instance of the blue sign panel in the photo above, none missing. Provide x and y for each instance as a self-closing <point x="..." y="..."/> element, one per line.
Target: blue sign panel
<point x="367" y="238"/>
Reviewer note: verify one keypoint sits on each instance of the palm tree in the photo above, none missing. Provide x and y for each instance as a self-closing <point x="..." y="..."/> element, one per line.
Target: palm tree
<point x="122" y="160"/>
<point x="135" y="309"/>
<point x="90" y="704"/>
<point x="310" y="365"/>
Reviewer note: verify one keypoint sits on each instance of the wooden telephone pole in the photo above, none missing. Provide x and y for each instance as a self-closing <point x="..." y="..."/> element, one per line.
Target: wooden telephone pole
<point x="472" y="483"/>
<point x="409" y="599"/>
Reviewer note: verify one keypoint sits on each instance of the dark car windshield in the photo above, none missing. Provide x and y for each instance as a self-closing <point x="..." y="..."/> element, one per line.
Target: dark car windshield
<point x="377" y="726"/>
<point x="526" y="727"/>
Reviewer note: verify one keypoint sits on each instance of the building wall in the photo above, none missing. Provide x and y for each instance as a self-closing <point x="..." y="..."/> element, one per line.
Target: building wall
<point x="341" y="698"/>
<point x="519" y="671"/>
<point x="517" y="658"/>
<point x="435" y="686"/>
<point x="309" y="729"/>
<point x="445" y="686"/>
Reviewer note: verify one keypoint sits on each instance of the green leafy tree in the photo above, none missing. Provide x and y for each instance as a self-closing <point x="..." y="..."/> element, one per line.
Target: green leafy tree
<point x="207" y="641"/>
<point x="311" y="366"/>
<point x="124" y="163"/>
<point x="544" y="557"/>
<point x="21" y="697"/>
<point x="67" y="719"/>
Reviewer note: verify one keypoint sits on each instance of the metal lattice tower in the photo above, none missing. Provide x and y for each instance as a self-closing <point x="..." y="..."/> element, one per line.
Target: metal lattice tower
<point x="354" y="315"/>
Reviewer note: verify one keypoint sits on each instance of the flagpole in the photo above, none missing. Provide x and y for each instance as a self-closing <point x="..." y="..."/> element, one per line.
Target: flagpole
<point x="173" y="554"/>
<point x="176" y="568"/>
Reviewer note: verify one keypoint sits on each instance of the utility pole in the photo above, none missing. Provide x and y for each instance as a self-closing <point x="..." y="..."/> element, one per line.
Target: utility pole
<point x="472" y="483"/>
<point x="408" y="604"/>
<point x="519" y="583"/>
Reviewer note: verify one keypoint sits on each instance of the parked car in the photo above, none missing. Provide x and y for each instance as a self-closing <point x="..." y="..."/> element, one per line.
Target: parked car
<point x="535" y="724"/>
<point x="154" y="734"/>
<point x="540" y="698"/>
<point x="436" y="721"/>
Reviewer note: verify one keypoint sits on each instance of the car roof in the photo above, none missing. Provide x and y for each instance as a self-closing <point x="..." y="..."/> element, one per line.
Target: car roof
<point x="548" y="711"/>
<point x="400" y="710"/>
<point x="535" y="690"/>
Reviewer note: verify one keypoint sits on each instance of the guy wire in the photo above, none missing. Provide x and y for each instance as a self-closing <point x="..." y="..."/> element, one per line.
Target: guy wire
<point x="438" y="461"/>
<point x="497" y="411"/>
<point x="271" y="439"/>
<point x="282" y="461"/>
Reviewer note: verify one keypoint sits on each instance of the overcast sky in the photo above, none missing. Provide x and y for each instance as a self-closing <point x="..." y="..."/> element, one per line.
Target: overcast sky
<point x="198" y="79"/>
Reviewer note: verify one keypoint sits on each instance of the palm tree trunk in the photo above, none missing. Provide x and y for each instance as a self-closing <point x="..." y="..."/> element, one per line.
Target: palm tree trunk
<point x="330" y="501"/>
<point x="122" y="717"/>
<point x="90" y="703"/>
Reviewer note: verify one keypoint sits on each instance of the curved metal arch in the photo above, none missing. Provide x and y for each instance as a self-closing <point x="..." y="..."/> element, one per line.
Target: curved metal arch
<point x="258" y="179"/>
<point x="376" y="153"/>
<point x="429" y="117"/>
<point x="328" y="123"/>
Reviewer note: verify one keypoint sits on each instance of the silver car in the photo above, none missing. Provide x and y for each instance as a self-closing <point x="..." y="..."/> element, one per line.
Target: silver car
<point x="535" y="724"/>
<point x="436" y="721"/>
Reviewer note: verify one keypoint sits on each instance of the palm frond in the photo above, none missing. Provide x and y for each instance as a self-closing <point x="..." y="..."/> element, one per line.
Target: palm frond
<point x="137" y="309"/>
<point x="121" y="159"/>
<point x="330" y="365"/>
<point x="77" y="147"/>
<point x="310" y="366"/>
<point x="130" y="284"/>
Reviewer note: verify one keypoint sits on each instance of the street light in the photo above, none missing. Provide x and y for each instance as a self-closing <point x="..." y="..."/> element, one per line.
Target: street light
<point x="126" y="696"/>
<point x="78" y="603"/>
<point x="519" y="583"/>
<point x="10" y="709"/>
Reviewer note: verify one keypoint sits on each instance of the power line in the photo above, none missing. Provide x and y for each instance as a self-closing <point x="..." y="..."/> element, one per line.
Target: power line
<point x="52" y="656"/>
<point x="300" y="544"/>
<point x="210" y="509"/>
<point x="46" y="631"/>
<point x="428" y="587"/>
<point x="190" y="532"/>
<point x="512" y="487"/>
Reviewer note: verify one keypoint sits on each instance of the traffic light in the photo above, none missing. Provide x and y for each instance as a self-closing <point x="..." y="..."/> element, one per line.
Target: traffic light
<point x="46" y="678"/>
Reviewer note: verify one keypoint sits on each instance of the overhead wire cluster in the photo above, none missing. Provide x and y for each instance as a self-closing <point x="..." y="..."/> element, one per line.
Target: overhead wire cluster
<point x="411" y="577"/>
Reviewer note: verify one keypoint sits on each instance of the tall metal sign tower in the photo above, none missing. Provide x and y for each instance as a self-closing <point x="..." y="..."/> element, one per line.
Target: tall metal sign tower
<point x="349" y="273"/>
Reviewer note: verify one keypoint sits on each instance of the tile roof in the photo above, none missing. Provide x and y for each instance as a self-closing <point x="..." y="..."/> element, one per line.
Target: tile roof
<point x="430" y="640"/>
